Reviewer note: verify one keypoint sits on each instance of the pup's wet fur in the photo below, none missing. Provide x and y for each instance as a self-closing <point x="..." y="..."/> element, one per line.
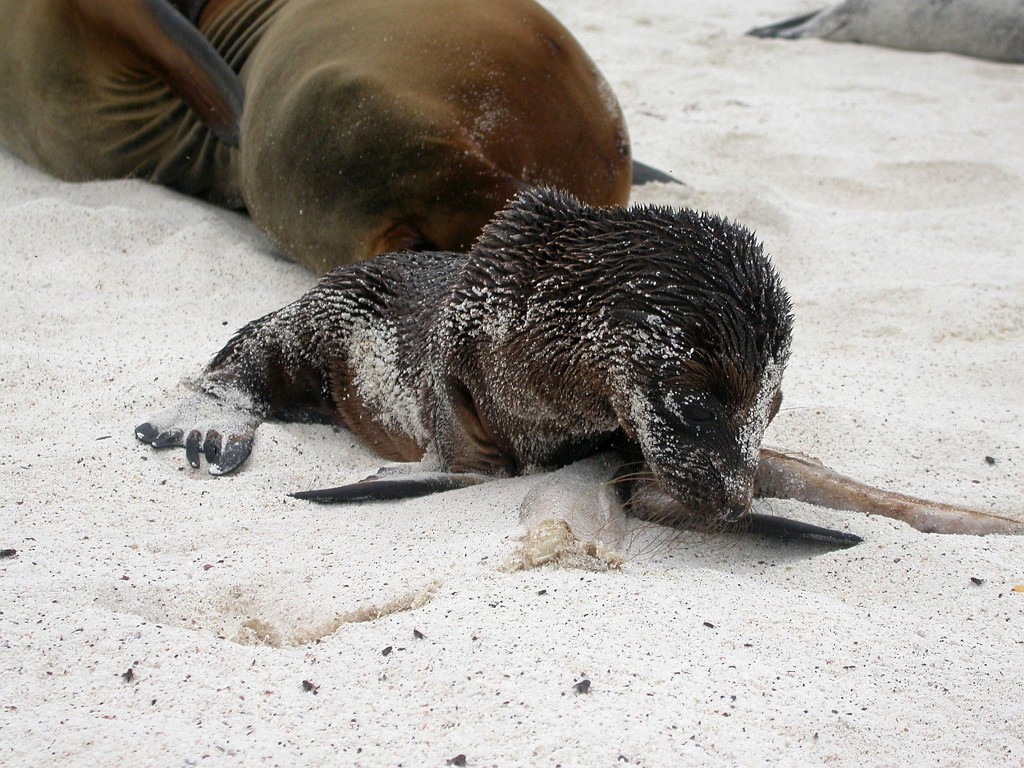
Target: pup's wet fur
<point x="566" y="330"/>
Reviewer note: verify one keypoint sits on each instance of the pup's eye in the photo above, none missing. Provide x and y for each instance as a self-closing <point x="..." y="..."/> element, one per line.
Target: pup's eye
<point x="692" y="408"/>
<point x="696" y="414"/>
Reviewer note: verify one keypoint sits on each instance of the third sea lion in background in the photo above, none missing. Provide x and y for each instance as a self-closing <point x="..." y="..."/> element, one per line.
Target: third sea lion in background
<point x="368" y="125"/>
<point x="986" y="29"/>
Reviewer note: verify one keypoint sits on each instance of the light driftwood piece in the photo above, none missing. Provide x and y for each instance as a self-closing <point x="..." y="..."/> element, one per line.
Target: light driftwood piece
<point x="785" y="475"/>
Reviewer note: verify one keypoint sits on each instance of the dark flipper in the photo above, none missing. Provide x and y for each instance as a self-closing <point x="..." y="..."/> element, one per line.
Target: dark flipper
<point x="190" y="9"/>
<point x="156" y="36"/>
<point x="390" y="490"/>
<point x="645" y="174"/>
<point x="784" y="528"/>
<point x="760" y="524"/>
<point x="780" y="29"/>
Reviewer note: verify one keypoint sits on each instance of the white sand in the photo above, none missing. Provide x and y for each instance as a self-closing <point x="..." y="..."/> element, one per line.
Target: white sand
<point x="889" y="186"/>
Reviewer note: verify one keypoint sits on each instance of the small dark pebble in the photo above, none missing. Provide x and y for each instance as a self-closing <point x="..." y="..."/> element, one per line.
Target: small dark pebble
<point x="709" y="625"/>
<point x="583" y="686"/>
<point x="128" y="676"/>
<point x="542" y="592"/>
<point x="311" y="687"/>
<point x="459" y="760"/>
<point x="976" y="581"/>
<point x="990" y="460"/>
<point x="386" y="651"/>
<point x="417" y="634"/>
<point x="8" y="552"/>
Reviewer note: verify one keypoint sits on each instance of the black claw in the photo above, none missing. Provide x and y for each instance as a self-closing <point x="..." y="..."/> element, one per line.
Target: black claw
<point x="146" y="432"/>
<point x="235" y="452"/>
<point x="192" y="447"/>
<point x="168" y="438"/>
<point x="212" y="446"/>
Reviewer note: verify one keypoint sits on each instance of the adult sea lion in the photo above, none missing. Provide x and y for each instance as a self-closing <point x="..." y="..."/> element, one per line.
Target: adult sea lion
<point x="368" y="125"/>
<point x="986" y="29"/>
<point x="566" y="330"/>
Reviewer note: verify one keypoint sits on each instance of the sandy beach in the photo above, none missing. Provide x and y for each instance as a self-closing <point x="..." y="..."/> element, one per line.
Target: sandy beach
<point x="155" y="615"/>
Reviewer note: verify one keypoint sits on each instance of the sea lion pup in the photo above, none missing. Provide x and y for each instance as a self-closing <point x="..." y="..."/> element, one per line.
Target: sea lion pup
<point x="662" y="335"/>
<point x="566" y="329"/>
<point x="986" y="29"/>
<point x="368" y="125"/>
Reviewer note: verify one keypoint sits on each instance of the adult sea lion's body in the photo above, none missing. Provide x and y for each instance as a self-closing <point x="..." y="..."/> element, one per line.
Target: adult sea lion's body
<point x="987" y="29"/>
<point x="565" y="330"/>
<point x="369" y="125"/>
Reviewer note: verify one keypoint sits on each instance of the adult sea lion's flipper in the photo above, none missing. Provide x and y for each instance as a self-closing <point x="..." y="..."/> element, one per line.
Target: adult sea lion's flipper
<point x="154" y="35"/>
<point x="409" y="487"/>
<point x="646" y="174"/>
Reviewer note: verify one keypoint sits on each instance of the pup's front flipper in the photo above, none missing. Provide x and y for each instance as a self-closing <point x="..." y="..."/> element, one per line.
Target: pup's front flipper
<point x="390" y="488"/>
<point x="220" y="428"/>
<point x="648" y="501"/>
<point x="784" y="528"/>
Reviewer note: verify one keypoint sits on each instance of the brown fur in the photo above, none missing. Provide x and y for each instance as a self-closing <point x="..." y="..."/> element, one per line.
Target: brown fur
<point x="369" y="125"/>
